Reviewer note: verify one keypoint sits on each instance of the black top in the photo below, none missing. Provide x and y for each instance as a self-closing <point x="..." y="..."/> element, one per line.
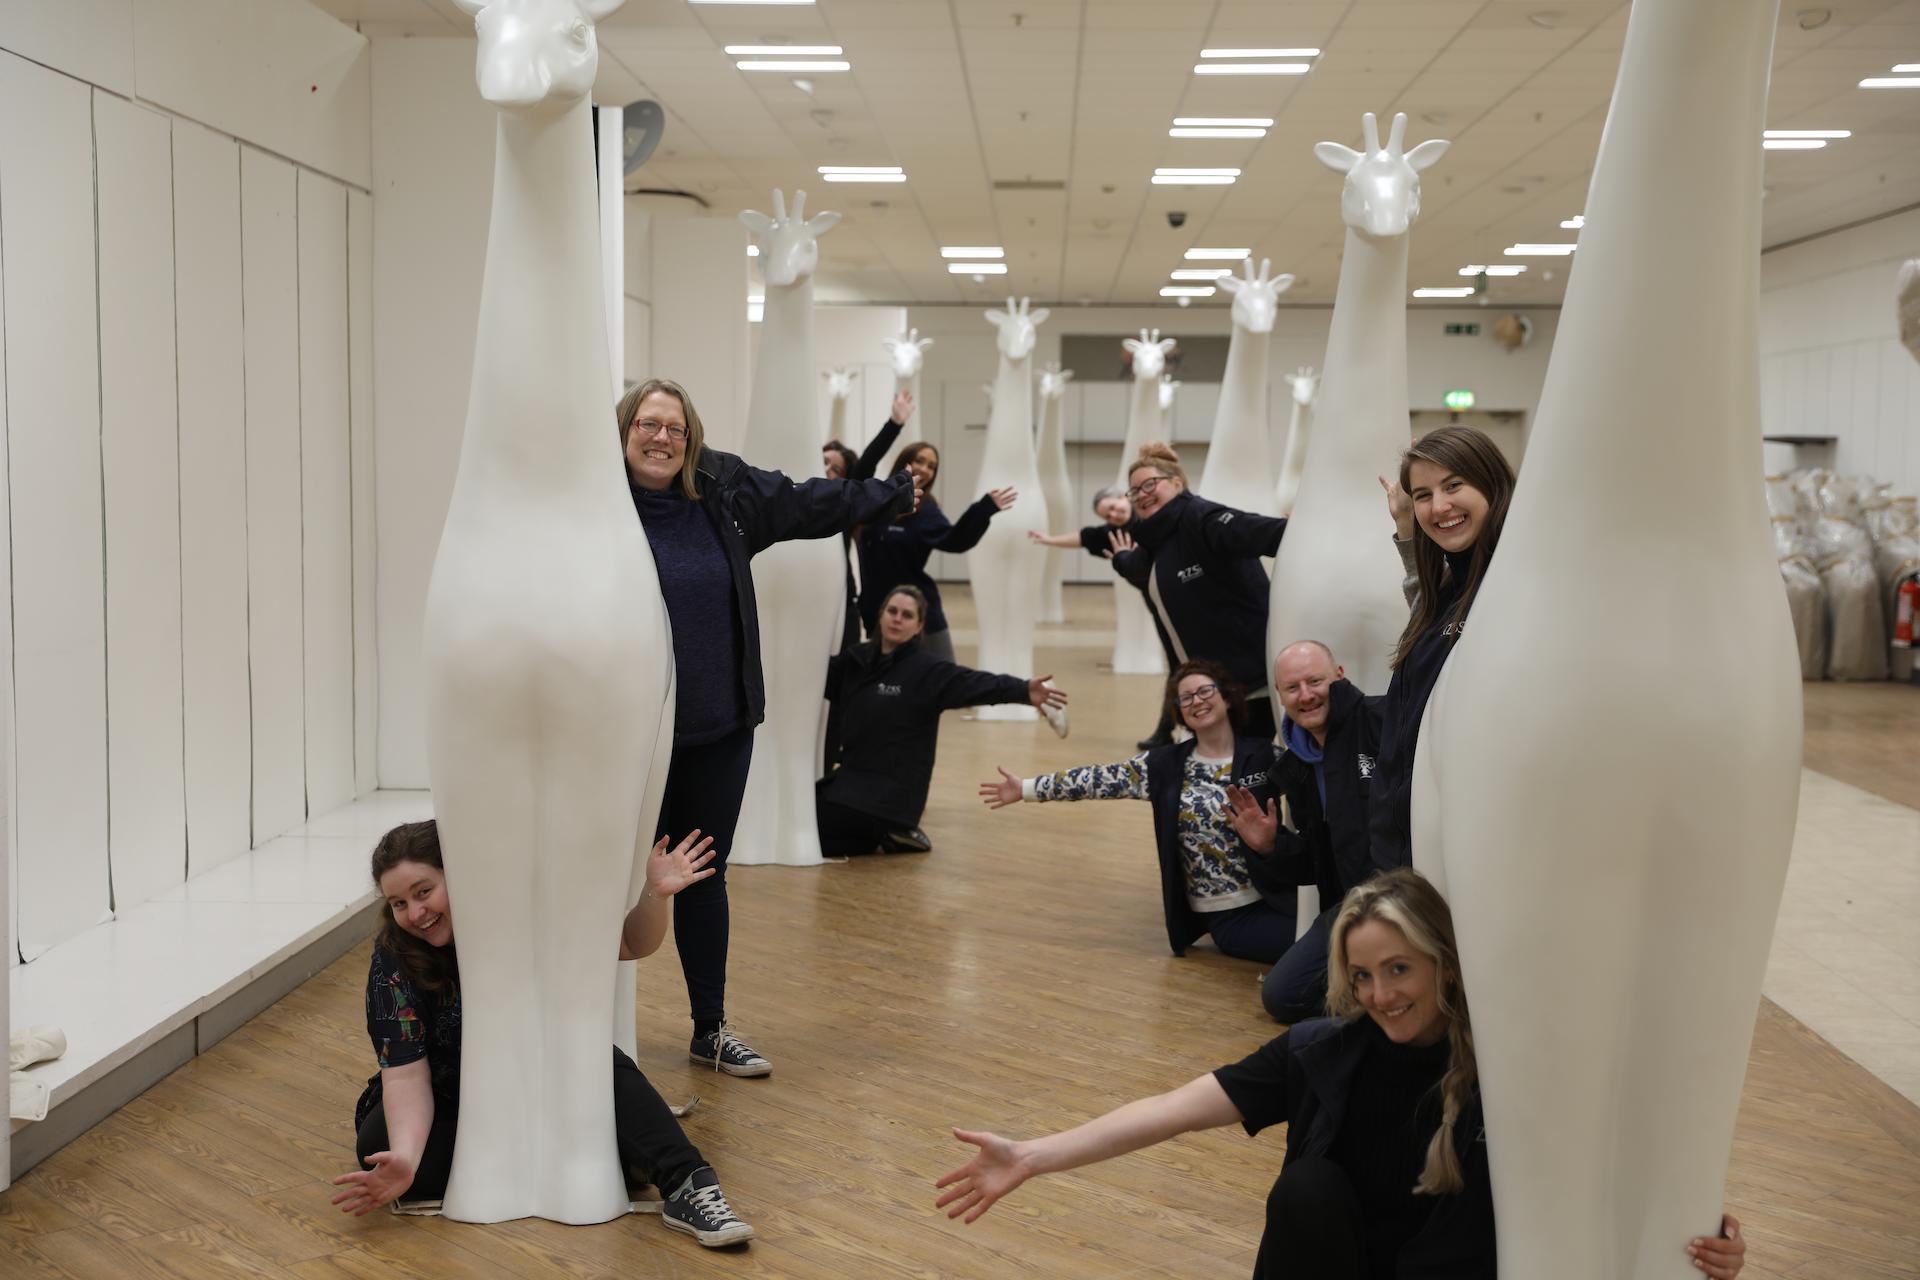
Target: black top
<point x="695" y="584"/>
<point x="1199" y="563"/>
<point x="1347" y="1093"/>
<point x="1391" y="833"/>
<point x="406" y="1023"/>
<point x="888" y="726"/>
<point x="1166" y="776"/>
<point x="895" y="552"/>
<point x="1329" y="846"/>
<point x="864" y="468"/>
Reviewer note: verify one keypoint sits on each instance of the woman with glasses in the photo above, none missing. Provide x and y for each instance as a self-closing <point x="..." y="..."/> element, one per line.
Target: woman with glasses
<point x="895" y="552"/>
<point x="1199" y="564"/>
<point x="1209" y="882"/>
<point x="706" y="514"/>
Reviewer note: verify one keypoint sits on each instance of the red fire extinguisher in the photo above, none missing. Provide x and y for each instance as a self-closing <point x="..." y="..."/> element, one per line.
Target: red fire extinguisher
<point x="1905" y="610"/>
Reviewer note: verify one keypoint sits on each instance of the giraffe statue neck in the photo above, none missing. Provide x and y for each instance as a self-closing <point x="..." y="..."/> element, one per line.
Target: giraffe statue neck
<point x="1145" y="422"/>
<point x="783" y="380"/>
<point x="1010" y="420"/>
<point x="1363" y="397"/>
<point x="537" y="421"/>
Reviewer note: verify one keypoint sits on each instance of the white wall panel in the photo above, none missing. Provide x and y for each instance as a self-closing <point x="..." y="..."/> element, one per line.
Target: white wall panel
<point x="146" y="778"/>
<point x="9" y="840"/>
<point x="91" y="40"/>
<point x="270" y="280"/>
<point x="326" y="486"/>
<point x="366" y="674"/>
<point x="213" y="496"/>
<point x="53" y="419"/>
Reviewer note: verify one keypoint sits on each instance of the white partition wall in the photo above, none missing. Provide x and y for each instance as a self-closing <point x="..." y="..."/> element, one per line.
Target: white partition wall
<point x="366" y="678"/>
<point x="141" y="467"/>
<point x="325" y="467"/>
<point x="275" y="637"/>
<point x="213" y="496"/>
<point x="53" y="420"/>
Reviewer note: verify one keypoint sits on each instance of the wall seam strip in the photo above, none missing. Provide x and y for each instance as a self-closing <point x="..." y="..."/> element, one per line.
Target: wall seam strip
<point x="100" y="394"/>
<point x="179" y="510"/>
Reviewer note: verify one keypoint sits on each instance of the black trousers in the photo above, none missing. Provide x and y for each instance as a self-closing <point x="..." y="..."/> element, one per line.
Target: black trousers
<point x="1314" y="1226"/>
<point x="847" y="833"/>
<point x="704" y="786"/>
<point x="651" y="1143"/>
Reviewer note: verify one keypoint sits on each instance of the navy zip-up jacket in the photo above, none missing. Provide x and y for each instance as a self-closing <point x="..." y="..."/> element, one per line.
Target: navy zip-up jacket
<point x="1329" y="847"/>
<point x="1166" y="773"/>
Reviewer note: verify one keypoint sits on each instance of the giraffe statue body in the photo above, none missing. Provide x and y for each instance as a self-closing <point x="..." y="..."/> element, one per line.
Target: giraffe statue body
<point x="1136" y="645"/>
<point x="1006" y="567"/>
<point x="1303" y="382"/>
<point x="1615" y="954"/>
<point x="906" y="355"/>
<point x="548" y="661"/>
<point x="839" y="381"/>
<point x="1239" y="454"/>
<point x="1056" y="486"/>
<point x="777" y="822"/>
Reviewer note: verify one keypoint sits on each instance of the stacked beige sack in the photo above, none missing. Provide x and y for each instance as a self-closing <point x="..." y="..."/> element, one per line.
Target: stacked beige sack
<point x="1806" y="595"/>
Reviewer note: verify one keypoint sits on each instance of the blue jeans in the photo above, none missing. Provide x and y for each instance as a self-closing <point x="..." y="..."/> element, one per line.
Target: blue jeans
<point x="1296" y="987"/>
<point x="1258" y="931"/>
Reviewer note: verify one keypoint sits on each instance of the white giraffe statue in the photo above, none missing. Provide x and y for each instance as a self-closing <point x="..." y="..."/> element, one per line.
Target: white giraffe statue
<point x="1136" y="645"/>
<point x="1006" y="566"/>
<point x="1615" y="954"/>
<point x="1337" y="577"/>
<point x="801" y="618"/>
<point x="1056" y="486"/>
<point x="906" y="354"/>
<point x="1169" y="388"/>
<point x="548" y="662"/>
<point x="1240" y="452"/>
<point x="839" y="381"/>
<point x="1303" y="382"/>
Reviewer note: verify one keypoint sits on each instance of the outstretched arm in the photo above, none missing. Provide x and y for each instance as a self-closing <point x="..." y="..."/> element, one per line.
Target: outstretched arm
<point x="1054" y="539"/>
<point x="1230" y="532"/>
<point x="965" y="533"/>
<point x="1003" y="1165"/>
<point x="870" y="457"/>
<point x="958" y="686"/>
<point x="774" y="508"/>
<point x="1126" y="780"/>
<point x="667" y="874"/>
<point x="406" y="1096"/>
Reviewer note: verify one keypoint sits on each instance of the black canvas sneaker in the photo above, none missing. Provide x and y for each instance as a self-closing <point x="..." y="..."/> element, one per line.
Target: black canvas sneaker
<point x="724" y="1051"/>
<point x="700" y="1209"/>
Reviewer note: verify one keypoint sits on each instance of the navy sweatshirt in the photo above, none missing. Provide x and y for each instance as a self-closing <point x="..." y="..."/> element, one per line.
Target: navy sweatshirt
<point x="697" y="586"/>
<point x="1406" y="703"/>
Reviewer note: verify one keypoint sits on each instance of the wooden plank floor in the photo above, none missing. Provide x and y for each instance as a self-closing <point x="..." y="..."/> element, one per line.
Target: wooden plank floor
<point x="1016" y="978"/>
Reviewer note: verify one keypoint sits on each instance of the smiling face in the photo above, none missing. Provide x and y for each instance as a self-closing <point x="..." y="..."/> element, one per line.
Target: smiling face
<point x="925" y="465"/>
<point x="1303" y="675"/>
<point x="417" y="895"/>
<point x="1201" y="704"/>
<point x="899" y="621"/>
<point x="654" y="456"/>
<point x="1151" y="491"/>
<point x="1116" y="511"/>
<point x="1448" y="509"/>
<point x="1396" y="983"/>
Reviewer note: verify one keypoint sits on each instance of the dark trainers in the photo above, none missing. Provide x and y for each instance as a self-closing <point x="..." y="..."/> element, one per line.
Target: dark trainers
<point x="724" y="1051"/>
<point x="700" y="1209"/>
<point x="906" y="840"/>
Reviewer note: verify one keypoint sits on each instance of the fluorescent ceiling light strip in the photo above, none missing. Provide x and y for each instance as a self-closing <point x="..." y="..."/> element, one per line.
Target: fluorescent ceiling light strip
<point x="1891" y="82"/>
<point x="753" y="251"/>
<point x="1259" y="53"/>
<point x="758" y="64"/>
<point x="1201" y="273"/>
<point x="859" y="168"/>
<point x="1793" y="144"/>
<point x="863" y="177"/>
<point x="976" y="268"/>
<point x="785" y="50"/>
<point x="1255" y="69"/>
<point x="1576" y="222"/>
<point x="1169" y="171"/>
<point x="1511" y="270"/>
<point x="1178" y="132"/>
<point x="1540" y="250"/>
<point x="1217" y="255"/>
<point x="1465" y="291"/>
<point x="1808" y="133"/>
<point x="972" y="251"/>
<point x="749" y="1"/>
<point x="1908" y="67"/>
<point x="1224" y="122"/>
<point x="1187" y="291"/>
<point x="1190" y="180"/>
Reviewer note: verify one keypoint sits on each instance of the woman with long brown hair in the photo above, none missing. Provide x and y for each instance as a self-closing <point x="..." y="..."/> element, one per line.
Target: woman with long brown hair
<point x="1386" y="1171"/>
<point x="1448" y="507"/>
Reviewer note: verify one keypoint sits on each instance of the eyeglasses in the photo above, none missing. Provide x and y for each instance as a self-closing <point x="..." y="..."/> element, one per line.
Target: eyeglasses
<point x="1145" y="487"/>
<point x="647" y="426"/>
<point x="1199" y="693"/>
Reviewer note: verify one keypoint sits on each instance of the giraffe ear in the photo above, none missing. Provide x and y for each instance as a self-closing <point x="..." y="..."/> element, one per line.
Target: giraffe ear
<point x="1427" y="152"/>
<point x="1131" y="344"/>
<point x="594" y="10"/>
<point x="1336" y="157"/>
<point x="820" y="223"/>
<point x="471" y="8"/>
<point x="757" y="222"/>
<point x="1038" y="316"/>
<point x="1282" y="283"/>
<point x="995" y="318"/>
<point x="924" y="343"/>
<point x="1232" y="284"/>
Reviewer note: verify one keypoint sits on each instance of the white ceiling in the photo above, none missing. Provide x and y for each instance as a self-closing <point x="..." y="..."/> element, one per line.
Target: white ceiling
<point x="969" y="93"/>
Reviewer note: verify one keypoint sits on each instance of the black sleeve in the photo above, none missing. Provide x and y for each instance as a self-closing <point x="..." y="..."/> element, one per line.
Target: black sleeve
<point x="957" y="686"/>
<point x="1228" y="532"/>
<point x="1093" y="540"/>
<point x="1257" y="1085"/>
<point x="772" y="508"/>
<point x="965" y="533"/>
<point x="1290" y="865"/>
<point x="1135" y="566"/>
<point x="876" y="450"/>
<point x="836" y="672"/>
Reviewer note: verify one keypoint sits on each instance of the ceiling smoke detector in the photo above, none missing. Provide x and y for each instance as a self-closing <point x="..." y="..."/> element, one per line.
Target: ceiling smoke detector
<point x="1812" y="19"/>
<point x="1546" y="19"/>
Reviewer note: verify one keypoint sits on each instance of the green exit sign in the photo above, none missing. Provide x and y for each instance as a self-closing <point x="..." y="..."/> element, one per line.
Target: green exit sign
<point x="1458" y="401"/>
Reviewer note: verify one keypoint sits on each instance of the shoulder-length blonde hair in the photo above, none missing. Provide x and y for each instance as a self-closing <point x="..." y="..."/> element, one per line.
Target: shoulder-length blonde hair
<point x="629" y="408"/>
<point x="1406" y="900"/>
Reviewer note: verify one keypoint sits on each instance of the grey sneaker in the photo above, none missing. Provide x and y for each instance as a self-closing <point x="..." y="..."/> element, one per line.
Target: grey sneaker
<point x="700" y="1209"/>
<point x="724" y="1051"/>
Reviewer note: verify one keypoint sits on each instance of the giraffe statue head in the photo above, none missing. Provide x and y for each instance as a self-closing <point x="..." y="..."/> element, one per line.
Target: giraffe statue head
<point x="1256" y="299"/>
<point x="1016" y="325"/>
<point x="1149" y="352"/>
<point x="789" y="246"/>
<point x="1382" y="195"/>
<point x="906" y="353"/>
<point x="840" y="380"/>
<point x="1053" y="380"/>
<point x="536" y="55"/>
<point x="1167" y="388"/>
<point x="1304" y="382"/>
